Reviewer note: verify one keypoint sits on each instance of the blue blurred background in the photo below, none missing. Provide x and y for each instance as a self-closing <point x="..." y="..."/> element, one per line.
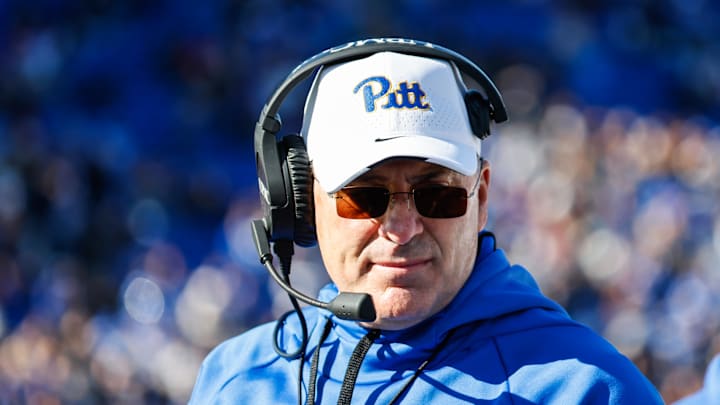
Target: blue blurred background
<point x="127" y="177"/>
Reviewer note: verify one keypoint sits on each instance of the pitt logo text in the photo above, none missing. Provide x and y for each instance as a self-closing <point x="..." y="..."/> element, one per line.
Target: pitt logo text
<point x="406" y="95"/>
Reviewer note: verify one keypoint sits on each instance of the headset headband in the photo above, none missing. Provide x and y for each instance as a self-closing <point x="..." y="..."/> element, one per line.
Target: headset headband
<point x="275" y="188"/>
<point x="357" y="49"/>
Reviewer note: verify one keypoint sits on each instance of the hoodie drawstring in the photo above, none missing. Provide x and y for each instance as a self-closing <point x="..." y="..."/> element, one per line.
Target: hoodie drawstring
<point x="348" y="386"/>
<point x="356" y="360"/>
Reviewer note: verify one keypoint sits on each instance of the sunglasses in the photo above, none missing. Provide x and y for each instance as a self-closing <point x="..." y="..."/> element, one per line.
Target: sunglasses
<point x="431" y="201"/>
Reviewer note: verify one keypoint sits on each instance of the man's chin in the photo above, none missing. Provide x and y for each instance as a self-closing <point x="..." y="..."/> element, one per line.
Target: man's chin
<point x="396" y="313"/>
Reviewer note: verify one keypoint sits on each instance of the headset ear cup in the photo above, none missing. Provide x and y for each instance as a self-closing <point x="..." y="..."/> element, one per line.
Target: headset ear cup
<point x="478" y="109"/>
<point x="300" y="177"/>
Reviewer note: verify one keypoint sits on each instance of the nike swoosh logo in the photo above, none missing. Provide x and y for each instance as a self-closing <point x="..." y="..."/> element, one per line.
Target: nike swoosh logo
<point x="387" y="139"/>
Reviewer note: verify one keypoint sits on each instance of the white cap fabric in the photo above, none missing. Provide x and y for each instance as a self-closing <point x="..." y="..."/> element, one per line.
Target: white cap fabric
<point x="386" y="105"/>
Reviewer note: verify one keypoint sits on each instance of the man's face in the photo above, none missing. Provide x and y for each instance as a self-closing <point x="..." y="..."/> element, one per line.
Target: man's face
<point x="412" y="266"/>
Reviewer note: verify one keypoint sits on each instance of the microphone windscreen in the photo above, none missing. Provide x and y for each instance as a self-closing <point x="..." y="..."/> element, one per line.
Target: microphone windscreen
<point x="353" y="306"/>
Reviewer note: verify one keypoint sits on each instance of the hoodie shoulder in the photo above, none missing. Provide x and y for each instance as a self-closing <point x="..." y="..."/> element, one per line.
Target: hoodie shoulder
<point x="232" y="360"/>
<point x="229" y="373"/>
<point x="566" y="362"/>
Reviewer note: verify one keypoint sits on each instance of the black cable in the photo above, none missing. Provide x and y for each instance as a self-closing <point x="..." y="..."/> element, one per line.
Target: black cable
<point x="421" y="368"/>
<point x="315" y="362"/>
<point x="284" y="252"/>
<point x="285" y="256"/>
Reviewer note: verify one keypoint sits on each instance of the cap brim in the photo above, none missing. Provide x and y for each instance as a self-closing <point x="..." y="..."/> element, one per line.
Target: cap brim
<point x="337" y="171"/>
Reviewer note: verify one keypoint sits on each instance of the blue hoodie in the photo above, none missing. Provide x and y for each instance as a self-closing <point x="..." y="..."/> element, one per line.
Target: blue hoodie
<point x="499" y="341"/>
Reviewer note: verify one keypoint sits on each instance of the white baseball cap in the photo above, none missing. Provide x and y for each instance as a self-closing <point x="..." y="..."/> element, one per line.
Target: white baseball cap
<point x="386" y="105"/>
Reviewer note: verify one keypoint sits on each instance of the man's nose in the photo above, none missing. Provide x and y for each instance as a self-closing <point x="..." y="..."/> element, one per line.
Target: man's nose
<point x="394" y="199"/>
<point x="401" y="222"/>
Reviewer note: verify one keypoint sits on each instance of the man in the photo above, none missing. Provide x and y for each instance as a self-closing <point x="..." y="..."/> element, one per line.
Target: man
<point x="400" y="204"/>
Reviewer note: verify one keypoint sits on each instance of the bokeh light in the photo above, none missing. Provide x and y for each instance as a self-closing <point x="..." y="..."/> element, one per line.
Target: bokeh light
<point x="144" y="300"/>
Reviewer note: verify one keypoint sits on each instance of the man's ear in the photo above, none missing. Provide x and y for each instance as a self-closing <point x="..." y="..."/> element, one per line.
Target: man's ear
<point x="482" y="194"/>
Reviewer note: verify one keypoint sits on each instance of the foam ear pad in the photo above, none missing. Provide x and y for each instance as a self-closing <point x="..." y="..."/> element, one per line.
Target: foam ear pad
<point x="300" y="178"/>
<point x="478" y="109"/>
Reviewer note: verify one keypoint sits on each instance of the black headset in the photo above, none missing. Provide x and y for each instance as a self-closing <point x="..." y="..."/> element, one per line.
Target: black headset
<point x="283" y="168"/>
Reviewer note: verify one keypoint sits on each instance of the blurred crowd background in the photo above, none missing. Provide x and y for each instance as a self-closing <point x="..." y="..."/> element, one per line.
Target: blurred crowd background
<point x="127" y="177"/>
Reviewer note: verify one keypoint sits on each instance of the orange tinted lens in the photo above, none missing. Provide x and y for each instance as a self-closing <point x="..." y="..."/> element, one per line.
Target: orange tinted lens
<point x="440" y="201"/>
<point x="361" y="202"/>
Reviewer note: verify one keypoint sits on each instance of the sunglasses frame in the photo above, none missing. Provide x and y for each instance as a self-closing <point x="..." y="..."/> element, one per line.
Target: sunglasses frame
<point x="411" y="196"/>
